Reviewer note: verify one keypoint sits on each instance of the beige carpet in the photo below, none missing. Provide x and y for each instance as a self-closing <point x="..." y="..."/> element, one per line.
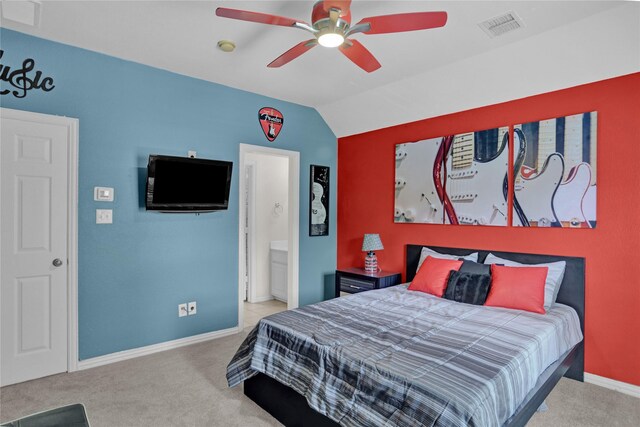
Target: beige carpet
<point x="182" y="387"/>
<point x="187" y="387"/>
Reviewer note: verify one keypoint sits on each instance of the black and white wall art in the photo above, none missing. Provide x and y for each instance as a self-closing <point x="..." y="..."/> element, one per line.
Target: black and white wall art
<point x="319" y="201"/>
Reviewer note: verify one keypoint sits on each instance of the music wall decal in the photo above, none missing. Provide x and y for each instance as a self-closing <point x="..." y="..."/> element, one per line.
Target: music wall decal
<point x="21" y="79"/>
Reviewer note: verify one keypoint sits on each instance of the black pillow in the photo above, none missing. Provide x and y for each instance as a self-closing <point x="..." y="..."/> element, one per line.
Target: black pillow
<point x="474" y="267"/>
<point x="469" y="288"/>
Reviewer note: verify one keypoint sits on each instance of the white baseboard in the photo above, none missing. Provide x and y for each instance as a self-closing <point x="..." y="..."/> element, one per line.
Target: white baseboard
<point x="154" y="348"/>
<point x="626" y="388"/>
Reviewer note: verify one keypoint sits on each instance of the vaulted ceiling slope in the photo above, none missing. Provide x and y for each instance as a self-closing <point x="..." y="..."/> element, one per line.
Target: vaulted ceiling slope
<point x="424" y="73"/>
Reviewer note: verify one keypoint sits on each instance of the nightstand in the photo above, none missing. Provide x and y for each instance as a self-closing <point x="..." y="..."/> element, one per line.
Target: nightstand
<point x="353" y="280"/>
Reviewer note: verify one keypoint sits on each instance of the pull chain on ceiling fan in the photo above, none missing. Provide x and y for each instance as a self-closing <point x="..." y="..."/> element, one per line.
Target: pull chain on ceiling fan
<point x="331" y="27"/>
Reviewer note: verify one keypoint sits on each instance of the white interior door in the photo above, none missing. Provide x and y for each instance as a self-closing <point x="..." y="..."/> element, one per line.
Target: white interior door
<point x="34" y="249"/>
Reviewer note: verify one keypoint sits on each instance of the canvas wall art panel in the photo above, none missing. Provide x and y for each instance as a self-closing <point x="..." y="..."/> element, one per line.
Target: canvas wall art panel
<point x="417" y="190"/>
<point x="476" y="182"/>
<point x="319" y="201"/>
<point x="555" y="168"/>
<point x="456" y="179"/>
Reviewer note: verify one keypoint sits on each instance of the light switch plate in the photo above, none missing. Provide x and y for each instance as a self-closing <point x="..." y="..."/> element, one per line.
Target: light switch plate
<point x="104" y="216"/>
<point x="103" y="194"/>
<point x="182" y="310"/>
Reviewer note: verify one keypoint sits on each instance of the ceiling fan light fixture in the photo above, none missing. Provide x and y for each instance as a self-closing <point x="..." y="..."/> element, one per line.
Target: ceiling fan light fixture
<point x="331" y="39"/>
<point x="331" y="27"/>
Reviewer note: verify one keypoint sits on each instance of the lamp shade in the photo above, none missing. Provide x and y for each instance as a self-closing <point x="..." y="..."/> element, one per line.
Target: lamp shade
<point x="371" y="242"/>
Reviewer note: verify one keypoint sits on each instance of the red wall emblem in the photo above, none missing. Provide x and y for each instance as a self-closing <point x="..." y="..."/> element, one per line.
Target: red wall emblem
<point x="271" y="121"/>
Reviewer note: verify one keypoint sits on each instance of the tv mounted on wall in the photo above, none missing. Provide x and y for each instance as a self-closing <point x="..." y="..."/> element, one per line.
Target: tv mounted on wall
<point x="182" y="184"/>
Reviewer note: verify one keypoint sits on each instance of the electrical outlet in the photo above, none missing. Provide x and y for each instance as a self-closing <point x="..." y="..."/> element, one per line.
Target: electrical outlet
<point x="192" y="308"/>
<point x="104" y="216"/>
<point x="182" y="310"/>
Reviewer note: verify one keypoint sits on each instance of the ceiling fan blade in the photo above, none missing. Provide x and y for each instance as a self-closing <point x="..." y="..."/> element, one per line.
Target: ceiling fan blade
<point x="359" y="55"/>
<point x="403" y="22"/>
<point x="342" y="5"/>
<point x="293" y="53"/>
<point x="261" y="18"/>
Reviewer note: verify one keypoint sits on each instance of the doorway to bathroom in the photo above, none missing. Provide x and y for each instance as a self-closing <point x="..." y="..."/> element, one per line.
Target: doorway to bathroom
<point x="268" y="232"/>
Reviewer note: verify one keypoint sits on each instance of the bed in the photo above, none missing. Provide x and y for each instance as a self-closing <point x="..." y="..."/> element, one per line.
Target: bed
<point x="389" y="357"/>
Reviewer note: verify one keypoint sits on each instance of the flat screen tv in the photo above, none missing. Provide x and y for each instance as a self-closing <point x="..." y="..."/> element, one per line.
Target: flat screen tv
<point x="183" y="184"/>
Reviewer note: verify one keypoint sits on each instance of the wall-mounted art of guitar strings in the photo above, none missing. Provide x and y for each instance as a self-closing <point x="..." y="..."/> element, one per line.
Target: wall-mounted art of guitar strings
<point x="416" y="199"/>
<point x="555" y="181"/>
<point x="476" y="169"/>
<point x="457" y="179"/>
<point x="461" y="178"/>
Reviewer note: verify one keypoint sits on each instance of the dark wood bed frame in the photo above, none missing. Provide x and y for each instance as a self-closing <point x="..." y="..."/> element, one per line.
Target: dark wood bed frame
<point x="291" y="408"/>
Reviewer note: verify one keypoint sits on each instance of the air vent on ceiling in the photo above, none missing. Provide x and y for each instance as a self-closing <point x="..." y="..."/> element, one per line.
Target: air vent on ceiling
<point x="25" y="12"/>
<point x="502" y="24"/>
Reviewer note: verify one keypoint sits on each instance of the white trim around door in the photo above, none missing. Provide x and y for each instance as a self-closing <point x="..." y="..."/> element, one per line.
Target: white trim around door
<point x="72" y="126"/>
<point x="294" y="224"/>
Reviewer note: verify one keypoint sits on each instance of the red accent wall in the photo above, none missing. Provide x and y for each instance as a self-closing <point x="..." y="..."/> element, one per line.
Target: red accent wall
<point x="366" y="168"/>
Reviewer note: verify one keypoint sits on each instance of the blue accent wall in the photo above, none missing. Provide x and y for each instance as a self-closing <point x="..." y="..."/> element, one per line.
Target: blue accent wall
<point x="133" y="274"/>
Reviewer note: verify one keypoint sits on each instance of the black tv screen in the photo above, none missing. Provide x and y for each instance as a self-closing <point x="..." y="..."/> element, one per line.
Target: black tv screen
<point x="182" y="184"/>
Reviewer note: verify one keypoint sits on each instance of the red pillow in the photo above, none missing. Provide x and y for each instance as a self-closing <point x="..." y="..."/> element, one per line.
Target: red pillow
<point x="433" y="274"/>
<point x="521" y="288"/>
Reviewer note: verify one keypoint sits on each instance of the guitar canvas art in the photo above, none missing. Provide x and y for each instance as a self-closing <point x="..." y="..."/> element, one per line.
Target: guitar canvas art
<point x="319" y="201"/>
<point x="555" y="172"/>
<point x="456" y="179"/>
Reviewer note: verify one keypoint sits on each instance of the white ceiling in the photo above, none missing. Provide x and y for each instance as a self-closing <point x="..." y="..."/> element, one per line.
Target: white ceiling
<point x="424" y="73"/>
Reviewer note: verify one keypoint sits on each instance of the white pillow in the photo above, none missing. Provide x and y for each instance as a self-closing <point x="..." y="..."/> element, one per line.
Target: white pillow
<point x="554" y="276"/>
<point x="428" y="252"/>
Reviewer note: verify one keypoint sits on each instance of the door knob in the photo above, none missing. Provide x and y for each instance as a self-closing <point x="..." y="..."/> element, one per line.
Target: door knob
<point x="57" y="262"/>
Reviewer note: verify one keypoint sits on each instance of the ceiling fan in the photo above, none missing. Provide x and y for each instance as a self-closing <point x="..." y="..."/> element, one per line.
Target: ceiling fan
<point x="331" y="27"/>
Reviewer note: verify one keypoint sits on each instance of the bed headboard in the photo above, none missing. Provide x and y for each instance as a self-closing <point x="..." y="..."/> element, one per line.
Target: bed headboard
<point x="571" y="291"/>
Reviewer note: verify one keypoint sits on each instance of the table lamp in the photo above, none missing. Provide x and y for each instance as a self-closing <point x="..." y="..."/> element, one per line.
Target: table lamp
<point x="371" y="243"/>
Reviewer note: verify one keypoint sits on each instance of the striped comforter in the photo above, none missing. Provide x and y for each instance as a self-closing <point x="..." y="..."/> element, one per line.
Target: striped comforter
<point x="394" y="357"/>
